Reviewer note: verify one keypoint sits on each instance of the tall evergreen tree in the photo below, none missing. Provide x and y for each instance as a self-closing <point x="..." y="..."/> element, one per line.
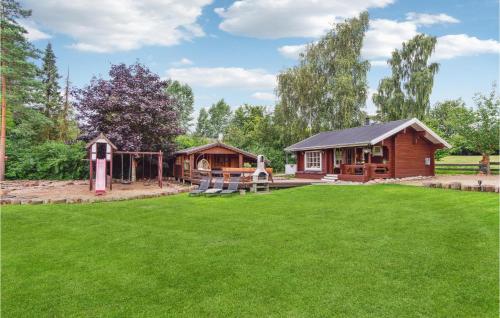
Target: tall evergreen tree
<point x="406" y="93"/>
<point x="18" y="72"/>
<point x="17" y="57"/>
<point x="67" y="126"/>
<point x="52" y="99"/>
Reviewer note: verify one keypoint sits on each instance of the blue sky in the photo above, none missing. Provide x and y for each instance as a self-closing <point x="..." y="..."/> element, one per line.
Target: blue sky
<point x="233" y="50"/>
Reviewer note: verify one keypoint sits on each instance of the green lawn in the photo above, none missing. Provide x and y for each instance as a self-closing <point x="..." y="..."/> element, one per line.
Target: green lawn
<point x="466" y="159"/>
<point x="317" y="251"/>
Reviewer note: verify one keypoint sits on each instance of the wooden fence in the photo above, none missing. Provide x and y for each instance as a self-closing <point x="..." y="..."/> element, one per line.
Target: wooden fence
<point x="465" y="167"/>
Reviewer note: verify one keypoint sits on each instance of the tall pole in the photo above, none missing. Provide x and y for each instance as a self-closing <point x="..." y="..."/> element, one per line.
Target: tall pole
<point x="2" y="132"/>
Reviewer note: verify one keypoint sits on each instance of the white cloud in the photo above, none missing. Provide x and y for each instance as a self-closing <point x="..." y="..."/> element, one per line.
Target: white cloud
<point x="378" y="63"/>
<point x="227" y="77"/>
<point x="454" y="45"/>
<point x="264" y="96"/>
<point x="371" y="109"/>
<point x="183" y="61"/>
<point x="120" y="25"/>
<point x="272" y="19"/>
<point x="34" y="34"/>
<point x="383" y="36"/>
<point x="429" y="19"/>
<point x="381" y="39"/>
<point x="292" y="51"/>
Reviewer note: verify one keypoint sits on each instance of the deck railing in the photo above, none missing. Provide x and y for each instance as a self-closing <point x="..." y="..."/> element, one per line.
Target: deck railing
<point x="367" y="171"/>
<point x="245" y="173"/>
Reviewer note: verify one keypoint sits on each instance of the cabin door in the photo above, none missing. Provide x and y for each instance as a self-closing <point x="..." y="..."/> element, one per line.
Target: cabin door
<point x="337" y="160"/>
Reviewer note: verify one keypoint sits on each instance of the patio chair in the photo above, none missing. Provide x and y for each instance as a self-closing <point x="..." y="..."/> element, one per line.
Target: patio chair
<point x="218" y="186"/>
<point x="232" y="187"/>
<point x="204" y="183"/>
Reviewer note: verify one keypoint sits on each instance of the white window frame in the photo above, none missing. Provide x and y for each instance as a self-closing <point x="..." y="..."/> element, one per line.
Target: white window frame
<point x="378" y="151"/>
<point x="306" y="161"/>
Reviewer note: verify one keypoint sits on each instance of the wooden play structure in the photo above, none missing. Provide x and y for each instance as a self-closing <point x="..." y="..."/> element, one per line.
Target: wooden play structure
<point x="102" y="153"/>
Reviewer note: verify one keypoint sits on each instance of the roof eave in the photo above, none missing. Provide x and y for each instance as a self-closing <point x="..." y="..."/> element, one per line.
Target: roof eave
<point x="207" y="146"/>
<point x="378" y="139"/>
<point x="101" y="136"/>
<point x="406" y="125"/>
<point x="365" y="143"/>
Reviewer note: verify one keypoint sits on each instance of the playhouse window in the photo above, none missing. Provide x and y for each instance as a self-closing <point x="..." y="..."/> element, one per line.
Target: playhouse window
<point x="313" y="160"/>
<point x="101" y="150"/>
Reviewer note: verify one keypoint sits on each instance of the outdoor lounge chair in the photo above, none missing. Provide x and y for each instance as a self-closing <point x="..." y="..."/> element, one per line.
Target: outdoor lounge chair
<point x="218" y="186"/>
<point x="232" y="187"/>
<point x="204" y="183"/>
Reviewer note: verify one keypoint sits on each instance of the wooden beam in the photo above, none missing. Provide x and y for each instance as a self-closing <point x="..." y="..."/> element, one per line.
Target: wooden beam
<point x="240" y="160"/>
<point x="138" y="152"/>
<point x="160" y="170"/>
<point x="191" y="165"/>
<point x="91" y="170"/>
<point x="111" y="170"/>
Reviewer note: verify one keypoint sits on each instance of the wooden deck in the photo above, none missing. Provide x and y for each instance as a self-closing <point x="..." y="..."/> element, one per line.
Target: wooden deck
<point x="279" y="183"/>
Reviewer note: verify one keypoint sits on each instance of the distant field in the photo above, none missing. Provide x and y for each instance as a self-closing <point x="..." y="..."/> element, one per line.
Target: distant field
<point x="464" y="160"/>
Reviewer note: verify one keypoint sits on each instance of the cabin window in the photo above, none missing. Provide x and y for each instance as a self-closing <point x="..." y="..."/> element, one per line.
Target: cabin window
<point x="313" y="160"/>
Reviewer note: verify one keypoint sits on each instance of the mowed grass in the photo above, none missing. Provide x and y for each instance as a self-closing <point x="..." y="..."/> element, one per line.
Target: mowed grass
<point x="466" y="159"/>
<point x="317" y="251"/>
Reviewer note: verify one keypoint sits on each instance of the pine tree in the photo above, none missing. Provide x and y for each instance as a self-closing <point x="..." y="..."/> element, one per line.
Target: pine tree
<point x="52" y="99"/>
<point x="18" y="72"/>
<point x="66" y="121"/>
<point x="17" y="56"/>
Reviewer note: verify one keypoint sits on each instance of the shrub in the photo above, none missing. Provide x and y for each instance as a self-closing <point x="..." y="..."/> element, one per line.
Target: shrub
<point x="49" y="160"/>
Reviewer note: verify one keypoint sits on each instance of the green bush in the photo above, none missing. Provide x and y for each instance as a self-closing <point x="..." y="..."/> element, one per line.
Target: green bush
<point x="49" y="160"/>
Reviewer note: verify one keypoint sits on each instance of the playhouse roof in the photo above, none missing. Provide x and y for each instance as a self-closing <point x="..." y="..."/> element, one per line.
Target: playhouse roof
<point x="101" y="138"/>
<point x="196" y="149"/>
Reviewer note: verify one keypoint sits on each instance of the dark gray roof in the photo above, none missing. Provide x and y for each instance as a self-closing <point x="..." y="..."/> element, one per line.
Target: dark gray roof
<point x="352" y="136"/>
<point x="196" y="149"/>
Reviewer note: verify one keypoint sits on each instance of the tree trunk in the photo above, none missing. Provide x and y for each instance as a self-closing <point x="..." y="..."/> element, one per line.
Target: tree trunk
<point x="2" y="130"/>
<point x="486" y="162"/>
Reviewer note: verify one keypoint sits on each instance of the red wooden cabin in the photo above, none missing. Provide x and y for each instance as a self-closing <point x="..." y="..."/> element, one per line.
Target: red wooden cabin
<point x="396" y="149"/>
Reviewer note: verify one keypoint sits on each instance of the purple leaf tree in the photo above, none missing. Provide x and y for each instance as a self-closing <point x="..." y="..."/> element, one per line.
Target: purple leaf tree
<point x="131" y="108"/>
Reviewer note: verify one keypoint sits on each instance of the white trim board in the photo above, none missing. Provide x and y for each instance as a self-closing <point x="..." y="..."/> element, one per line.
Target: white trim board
<point x="320" y="161"/>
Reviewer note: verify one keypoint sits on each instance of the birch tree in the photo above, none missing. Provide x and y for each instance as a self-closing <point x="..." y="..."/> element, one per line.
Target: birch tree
<point x="406" y="93"/>
<point x="328" y="89"/>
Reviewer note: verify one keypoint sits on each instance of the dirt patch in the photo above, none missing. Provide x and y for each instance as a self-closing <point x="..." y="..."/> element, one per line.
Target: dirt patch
<point x="78" y="191"/>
